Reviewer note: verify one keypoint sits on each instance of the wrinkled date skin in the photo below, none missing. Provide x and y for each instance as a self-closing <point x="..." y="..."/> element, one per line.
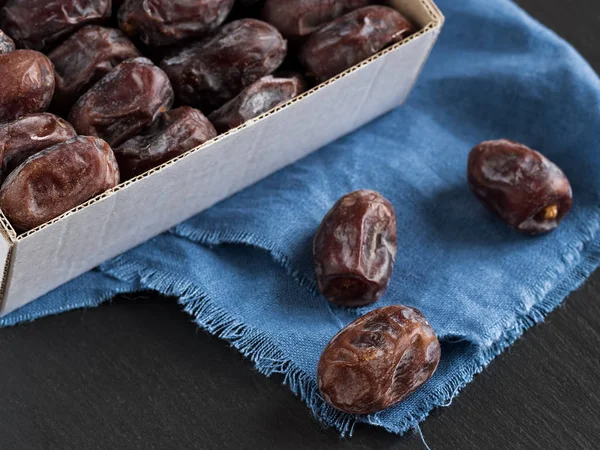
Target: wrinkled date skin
<point x="40" y="24"/>
<point x="378" y="360"/>
<point x="298" y="18"/>
<point x="256" y="99"/>
<point x="211" y="72"/>
<point x="7" y="45"/>
<point x="85" y="58"/>
<point x="29" y="135"/>
<point x="355" y="248"/>
<point x="525" y="189"/>
<point x="56" y="180"/>
<point x="351" y="39"/>
<point x="165" y="22"/>
<point x="173" y="134"/>
<point x="124" y="102"/>
<point x="27" y="84"/>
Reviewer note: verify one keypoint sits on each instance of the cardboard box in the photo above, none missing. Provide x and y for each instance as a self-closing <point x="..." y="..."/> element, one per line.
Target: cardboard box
<point x="42" y="259"/>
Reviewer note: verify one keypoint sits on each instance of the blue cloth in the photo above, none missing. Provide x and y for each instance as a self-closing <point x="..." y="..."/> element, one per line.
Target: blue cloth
<point x="243" y="268"/>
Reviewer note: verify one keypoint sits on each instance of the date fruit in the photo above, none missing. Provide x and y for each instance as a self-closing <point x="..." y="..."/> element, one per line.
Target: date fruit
<point x="56" y="180"/>
<point x="165" y="22"/>
<point x="123" y="103"/>
<point x="40" y="24"/>
<point x="27" y="84"/>
<point x="211" y="72"/>
<point x="84" y="59"/>
<point x="29" y="135"/>
<point x="378" y="360"/>
<point x="7" y="45"/>
<point x="525" y="189"/>
<point x="355" y="248"/>
<point x="352" y="38"/>
<point x="258" y="98"/>
<point x="173" y="134"/>
<point x="298" y="18"/>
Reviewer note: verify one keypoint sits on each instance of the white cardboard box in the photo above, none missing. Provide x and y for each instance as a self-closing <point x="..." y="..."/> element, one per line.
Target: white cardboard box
<point x="38" y="261"/>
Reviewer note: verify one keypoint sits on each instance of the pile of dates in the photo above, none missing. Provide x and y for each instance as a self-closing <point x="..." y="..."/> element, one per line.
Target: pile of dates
<point x="96" y="92"/>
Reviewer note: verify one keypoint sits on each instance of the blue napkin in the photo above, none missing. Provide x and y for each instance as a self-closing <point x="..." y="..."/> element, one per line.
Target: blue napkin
<point x="243" y="268"/>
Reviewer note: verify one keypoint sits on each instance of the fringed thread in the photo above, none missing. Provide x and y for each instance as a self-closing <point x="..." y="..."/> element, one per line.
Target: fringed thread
<point x="268" y="357"/>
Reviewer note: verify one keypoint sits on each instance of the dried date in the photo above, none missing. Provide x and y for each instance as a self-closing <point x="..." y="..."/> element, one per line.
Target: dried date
<point x="354" y="249"/>
<point x="352" y="38"/>
<point x="211" y="72"/>
<point x="56" y="180"/>
<point x="123" y="103"/>
<point x="29" y="135"/>
<point x="7" y="45"/>
<point x="40" y="24"/>
<point x="525" y="189"/>
<point x="258" y="98"/>
<point x="27" y="84"/>
<point x="83" y="59"/>
<point x="173" y="134"/>
<point x="298" y="18"/>
<point x="378" y="360"/>
<point x="165" y="22"/>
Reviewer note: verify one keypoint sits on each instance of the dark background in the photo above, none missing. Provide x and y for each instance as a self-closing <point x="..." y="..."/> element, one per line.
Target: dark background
<point x="137" y="374"/>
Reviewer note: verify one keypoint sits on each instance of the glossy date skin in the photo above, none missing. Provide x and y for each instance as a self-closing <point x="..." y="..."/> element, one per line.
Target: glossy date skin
<point x="56" y="180"/>
<point x="27" y="84"/>
<point x="354" y="249"/>
<point x="525" y="189"/>
<point x="7" y="45"/>
<point x="211" y="72"/>
<point x="258" y="98"/>
<point x="29" y="135"/>
<point x="83" y="59"/>
<point x="173" y="134"/>
<point x="165" y="22"/>
<point x="123" y="103"/>
<point x="378" y="360"/>
<point x="40" y="24"/>
<point x="351" y="39"/>
<point x="299" y="18"/>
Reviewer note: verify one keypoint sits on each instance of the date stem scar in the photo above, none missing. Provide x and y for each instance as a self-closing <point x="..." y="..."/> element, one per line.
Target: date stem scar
<point x="550" y="213"/>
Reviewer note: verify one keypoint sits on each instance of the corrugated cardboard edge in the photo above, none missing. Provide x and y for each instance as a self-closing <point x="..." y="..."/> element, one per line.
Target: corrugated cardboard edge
<point x="11" y="237"/>
<point x="6" y="255"/>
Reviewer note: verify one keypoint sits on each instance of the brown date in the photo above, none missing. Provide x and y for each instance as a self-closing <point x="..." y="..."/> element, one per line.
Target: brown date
<point x="352" y="38"/>
<point x="7" y="45"/>
<point x="211" y="72"/>
<point x="378" y="360"/>
<point x="29" y="135"/>
<point x="165" y="22"/>
<point x="523" y="187"/>
<point x="40" y="24"/>
<point x="56" y="180"/>
<point x="298" y="18"/>
<point x="258" y="98"/>
<point x="355" y="248"/>
<point x="85" y="58"/>
<point x="27" y="84"/>
<point x="123" y="103"/>
<point x="173" y="134"/>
